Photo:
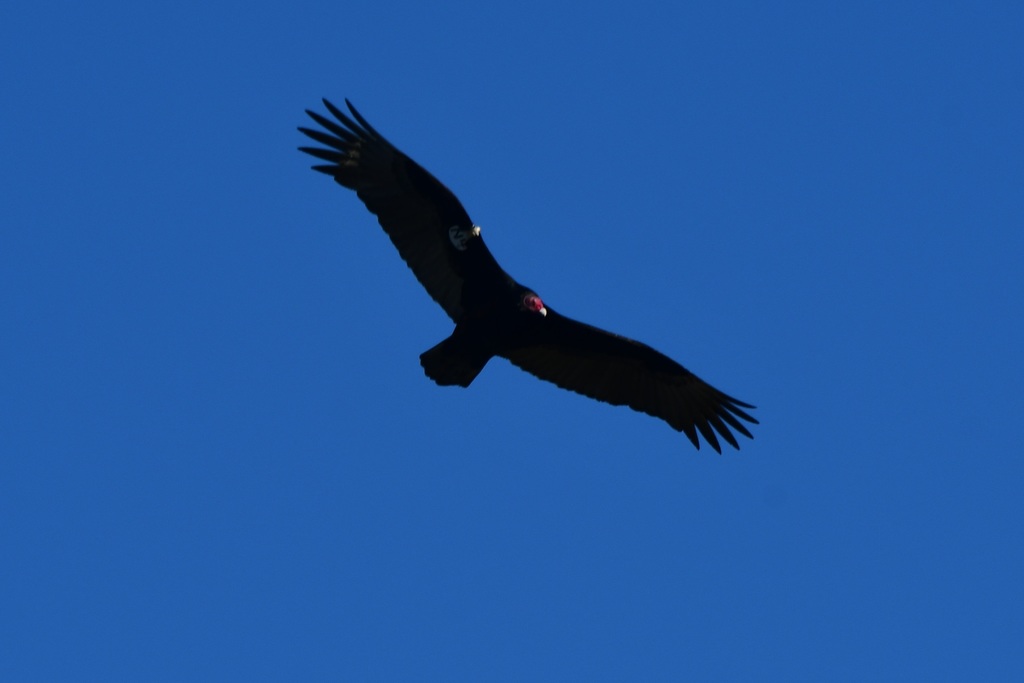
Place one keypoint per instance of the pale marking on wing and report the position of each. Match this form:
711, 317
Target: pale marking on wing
460, 237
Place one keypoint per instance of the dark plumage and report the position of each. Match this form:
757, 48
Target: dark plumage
493, 314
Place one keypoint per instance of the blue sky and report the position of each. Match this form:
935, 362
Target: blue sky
221, 459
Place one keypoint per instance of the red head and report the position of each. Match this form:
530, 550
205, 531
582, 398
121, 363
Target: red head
533, 304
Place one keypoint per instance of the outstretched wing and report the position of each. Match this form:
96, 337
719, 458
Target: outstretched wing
424, 220
622, 371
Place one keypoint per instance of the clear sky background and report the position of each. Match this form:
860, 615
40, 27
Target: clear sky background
220, 458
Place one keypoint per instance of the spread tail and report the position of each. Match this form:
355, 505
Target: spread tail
450, 363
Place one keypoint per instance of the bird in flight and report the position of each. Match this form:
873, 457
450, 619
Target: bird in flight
493, 314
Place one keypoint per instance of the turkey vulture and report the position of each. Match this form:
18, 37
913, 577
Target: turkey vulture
493, 314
